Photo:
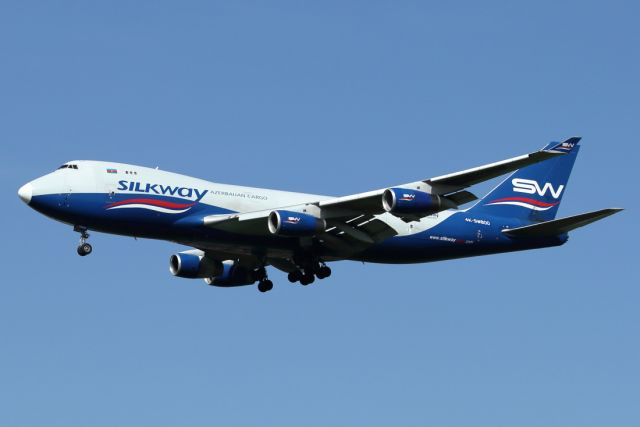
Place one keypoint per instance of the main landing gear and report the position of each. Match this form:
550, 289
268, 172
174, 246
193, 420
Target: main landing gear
264, 284
305, 275
308, 274
84, 248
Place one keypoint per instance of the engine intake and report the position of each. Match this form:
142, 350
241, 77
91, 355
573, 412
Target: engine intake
295, 224
192, 266
402, 201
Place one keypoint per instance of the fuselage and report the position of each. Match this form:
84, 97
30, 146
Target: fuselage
144, 202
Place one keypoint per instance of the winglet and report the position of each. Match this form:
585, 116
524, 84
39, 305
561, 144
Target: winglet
565, 146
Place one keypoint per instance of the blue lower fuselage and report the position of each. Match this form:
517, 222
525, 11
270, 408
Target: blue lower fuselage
459, 235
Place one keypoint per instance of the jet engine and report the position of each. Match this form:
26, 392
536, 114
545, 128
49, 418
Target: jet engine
295, 224
194, 265
405, 202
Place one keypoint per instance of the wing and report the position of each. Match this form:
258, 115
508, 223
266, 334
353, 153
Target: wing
351, 221
450, 185
344, 234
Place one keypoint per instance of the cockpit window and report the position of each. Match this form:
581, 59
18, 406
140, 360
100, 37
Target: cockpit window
68, 167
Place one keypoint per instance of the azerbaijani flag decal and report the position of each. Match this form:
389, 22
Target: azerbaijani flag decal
110, 170
162, 206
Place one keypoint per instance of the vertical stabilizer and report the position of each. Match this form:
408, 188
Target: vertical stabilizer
533, 193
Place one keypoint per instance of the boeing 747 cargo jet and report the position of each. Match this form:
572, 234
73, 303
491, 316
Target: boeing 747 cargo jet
237, 232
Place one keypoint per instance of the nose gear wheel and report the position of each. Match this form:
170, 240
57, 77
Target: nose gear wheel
84, 248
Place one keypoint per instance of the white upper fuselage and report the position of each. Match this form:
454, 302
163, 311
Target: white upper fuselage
92, 177
84, 177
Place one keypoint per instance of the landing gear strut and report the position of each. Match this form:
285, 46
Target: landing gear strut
264, 284
84, 248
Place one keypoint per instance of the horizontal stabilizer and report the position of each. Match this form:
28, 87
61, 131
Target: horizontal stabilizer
560, 226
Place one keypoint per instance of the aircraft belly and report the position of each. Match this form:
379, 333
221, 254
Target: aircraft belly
458, 236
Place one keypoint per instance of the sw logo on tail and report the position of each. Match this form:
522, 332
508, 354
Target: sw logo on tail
529, 186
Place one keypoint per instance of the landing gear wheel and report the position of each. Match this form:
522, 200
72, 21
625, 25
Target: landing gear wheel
294, 276
84, 249
265, 285
323, 272
307, 279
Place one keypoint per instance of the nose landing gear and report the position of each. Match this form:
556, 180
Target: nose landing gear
84, 248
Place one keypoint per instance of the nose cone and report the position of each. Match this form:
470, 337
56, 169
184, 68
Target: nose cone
25, 192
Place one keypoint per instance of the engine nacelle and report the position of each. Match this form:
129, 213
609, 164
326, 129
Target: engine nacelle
232, 275
295, 224
193, 266
402, 201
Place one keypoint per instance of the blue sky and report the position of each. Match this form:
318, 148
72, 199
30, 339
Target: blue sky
335, 98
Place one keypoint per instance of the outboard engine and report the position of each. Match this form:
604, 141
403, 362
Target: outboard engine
194, 265
406, 202
295, 224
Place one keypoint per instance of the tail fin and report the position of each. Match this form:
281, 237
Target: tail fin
533, 193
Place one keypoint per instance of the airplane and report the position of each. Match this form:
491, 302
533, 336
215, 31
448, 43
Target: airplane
237, 232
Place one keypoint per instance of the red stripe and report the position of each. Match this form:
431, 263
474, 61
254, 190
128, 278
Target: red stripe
526, 200
152, 202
